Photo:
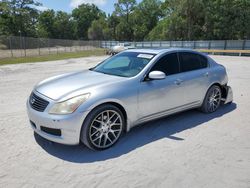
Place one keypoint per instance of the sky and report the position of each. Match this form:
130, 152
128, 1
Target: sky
68, 5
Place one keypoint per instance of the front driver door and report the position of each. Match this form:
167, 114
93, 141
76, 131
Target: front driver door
158, 97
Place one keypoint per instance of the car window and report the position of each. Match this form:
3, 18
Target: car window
168, 64
203, 61
119, 62
125, 64
191, 61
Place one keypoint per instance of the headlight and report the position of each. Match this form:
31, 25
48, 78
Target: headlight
69, 106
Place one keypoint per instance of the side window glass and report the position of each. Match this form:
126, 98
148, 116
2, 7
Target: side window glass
203, 62
189, 61
168, 64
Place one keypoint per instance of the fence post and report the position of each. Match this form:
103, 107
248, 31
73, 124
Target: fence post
170, 44
194, 44
39, 50
209, 45
49, 45
243, 44
24, 45
225, 45
21, 46
10, 38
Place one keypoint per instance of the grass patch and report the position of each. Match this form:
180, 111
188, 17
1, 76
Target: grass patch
52, 57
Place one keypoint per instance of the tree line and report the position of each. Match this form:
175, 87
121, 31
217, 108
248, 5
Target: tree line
131, 21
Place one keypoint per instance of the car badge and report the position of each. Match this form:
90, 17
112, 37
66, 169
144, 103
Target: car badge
33, 101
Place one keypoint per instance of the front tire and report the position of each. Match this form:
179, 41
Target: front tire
103, 127
212, 100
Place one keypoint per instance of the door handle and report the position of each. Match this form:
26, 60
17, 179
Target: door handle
206, 74
178, 81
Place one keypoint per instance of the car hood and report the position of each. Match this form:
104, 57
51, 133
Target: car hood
61, 86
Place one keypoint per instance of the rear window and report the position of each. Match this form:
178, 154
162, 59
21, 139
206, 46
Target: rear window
191, 61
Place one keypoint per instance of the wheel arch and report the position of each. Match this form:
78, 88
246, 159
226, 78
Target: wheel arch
84, 129
121, 108
203, 106
114, 103
223, 91
222, 87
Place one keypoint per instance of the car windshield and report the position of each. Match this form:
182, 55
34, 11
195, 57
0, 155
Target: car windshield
125, 64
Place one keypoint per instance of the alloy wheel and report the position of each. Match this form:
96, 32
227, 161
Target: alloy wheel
214, 99
105, 129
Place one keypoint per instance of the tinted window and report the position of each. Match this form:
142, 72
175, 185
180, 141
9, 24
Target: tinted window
203, 61
191, 61
168, 64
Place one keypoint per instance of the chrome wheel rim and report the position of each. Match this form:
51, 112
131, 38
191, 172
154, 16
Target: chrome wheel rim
105, 129
214, 100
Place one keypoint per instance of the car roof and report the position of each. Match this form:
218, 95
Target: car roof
159, 50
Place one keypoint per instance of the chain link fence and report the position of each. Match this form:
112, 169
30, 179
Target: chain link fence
18, 46
212, 44
13, 46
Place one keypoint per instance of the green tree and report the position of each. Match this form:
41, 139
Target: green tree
186, 18
64, 26
150, 19
204, 20
18, 17
99, 30
46, 24
123, 10
124, 31
160, 31
124, 7
83, 16
5, 19
227, 19
113, 21
144, 20
58, 25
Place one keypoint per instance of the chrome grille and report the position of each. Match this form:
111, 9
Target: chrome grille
37, 103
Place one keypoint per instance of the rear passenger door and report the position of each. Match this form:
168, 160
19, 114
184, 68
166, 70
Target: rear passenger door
195, 76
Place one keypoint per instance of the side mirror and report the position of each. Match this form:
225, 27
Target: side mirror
156, 75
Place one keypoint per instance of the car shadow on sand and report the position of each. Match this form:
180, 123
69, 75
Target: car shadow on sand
137, 137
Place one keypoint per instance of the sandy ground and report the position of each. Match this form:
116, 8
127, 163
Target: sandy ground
190, 149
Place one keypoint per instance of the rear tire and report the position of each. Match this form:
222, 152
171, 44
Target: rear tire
103, 127
212, 100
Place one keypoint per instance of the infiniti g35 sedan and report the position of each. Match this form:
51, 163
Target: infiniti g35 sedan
96, 106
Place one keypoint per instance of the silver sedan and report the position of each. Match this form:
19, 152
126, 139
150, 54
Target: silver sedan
96, 106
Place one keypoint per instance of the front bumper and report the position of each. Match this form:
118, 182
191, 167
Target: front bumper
229, 95
69, 126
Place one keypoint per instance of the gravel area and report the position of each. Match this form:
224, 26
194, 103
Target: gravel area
189, 149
